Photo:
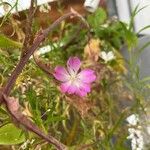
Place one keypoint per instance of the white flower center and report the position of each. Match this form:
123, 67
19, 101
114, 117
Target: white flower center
73, 77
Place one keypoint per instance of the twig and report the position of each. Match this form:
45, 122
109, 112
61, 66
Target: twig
28, 29
43, 66
13, 108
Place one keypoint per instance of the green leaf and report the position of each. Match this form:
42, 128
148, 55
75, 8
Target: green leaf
8, 43
144, 28
98, 18
54, 119
11, 135
31, 96
133, 15
131, 39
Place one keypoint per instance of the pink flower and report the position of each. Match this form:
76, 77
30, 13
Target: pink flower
74, 81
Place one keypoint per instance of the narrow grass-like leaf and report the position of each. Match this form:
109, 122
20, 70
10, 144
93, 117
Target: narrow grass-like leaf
7, 43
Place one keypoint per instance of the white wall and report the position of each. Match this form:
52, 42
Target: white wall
124, 8
143, 18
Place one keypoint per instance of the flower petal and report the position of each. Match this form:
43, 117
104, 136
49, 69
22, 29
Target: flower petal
73, 64
110, 55
81, 93
103, 55
68, 87
65, 86
82, 89
72, 89
61, 74
87, 76
85, 87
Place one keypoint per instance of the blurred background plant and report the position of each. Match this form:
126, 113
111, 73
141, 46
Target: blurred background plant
95, 122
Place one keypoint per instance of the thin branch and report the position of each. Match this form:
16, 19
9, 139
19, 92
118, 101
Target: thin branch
43, 66
28, 29
13, 108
